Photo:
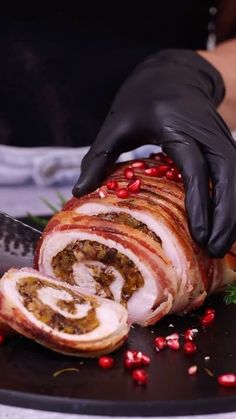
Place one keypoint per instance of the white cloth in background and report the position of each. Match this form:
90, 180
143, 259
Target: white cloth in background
46, 166
51, 166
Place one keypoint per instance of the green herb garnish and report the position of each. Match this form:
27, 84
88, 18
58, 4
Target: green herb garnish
39, 221
59, 372
230, 294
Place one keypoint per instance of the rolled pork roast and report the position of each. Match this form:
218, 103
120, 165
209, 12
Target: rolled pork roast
129, 241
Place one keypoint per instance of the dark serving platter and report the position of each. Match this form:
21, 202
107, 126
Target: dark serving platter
27, 370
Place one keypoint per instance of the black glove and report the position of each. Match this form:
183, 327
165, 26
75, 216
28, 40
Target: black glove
170, 100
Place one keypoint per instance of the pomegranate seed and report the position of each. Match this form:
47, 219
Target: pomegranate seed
173, 336
180, 178
152, 171
163, 169
170, 175
207, 319
139, 356
112, 185
135, 359
102, 192
134, 186
130, 354
106, 362
159, 156
210, 311
140, 376
227, 380
145, 359
139, 164
174, 170
160, 343
192, 370
2, 338
129, 173
167, 159
122, 193
189, 334
129, 363
190, 348
173, 344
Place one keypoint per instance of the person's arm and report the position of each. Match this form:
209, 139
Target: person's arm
223, 58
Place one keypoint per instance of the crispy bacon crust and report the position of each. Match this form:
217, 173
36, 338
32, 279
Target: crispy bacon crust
183, 272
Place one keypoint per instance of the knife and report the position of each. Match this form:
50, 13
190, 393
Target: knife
17, 243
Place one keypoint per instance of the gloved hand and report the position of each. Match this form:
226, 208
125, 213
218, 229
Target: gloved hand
170, 100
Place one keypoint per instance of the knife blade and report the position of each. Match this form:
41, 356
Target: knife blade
17, 243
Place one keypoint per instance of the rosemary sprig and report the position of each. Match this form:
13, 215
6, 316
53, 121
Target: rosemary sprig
59, 372
62, 199
49, 205
230, 294
39, 221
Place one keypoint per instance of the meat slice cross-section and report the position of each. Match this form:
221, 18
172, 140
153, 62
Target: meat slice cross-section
60, 316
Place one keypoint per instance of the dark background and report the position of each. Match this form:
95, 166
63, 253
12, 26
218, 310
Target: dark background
60, 66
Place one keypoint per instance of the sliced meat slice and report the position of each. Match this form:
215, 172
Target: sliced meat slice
60, 316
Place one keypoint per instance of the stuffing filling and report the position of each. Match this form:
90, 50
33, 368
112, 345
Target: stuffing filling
28, 289
127, 219
85, 251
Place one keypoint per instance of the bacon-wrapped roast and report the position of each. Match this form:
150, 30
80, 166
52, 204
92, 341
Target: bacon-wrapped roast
129, 241
60, 316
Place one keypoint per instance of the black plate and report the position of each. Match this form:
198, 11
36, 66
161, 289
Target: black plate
26, 377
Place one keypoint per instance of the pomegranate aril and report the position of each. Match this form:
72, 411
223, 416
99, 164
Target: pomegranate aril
130, 354
180, 178
122, 193
140, 376
106, 362
139, 164
167, 159
135, 359
152, 171
174, 170
2, 338
192, 370
102, 192
170, 175
189, 348
112, 185
173, 336
134, 186
227, 380
173, 344
163, 169
207, 319
160, 343
159, 156
129, 173
145, 359
129, 363
210, 311
190, 334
